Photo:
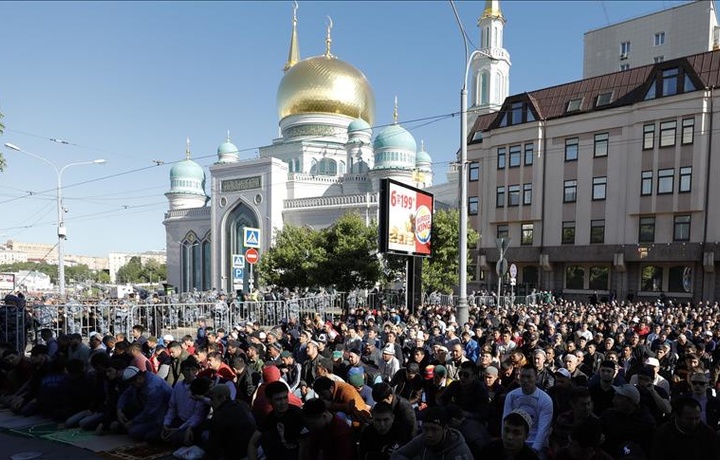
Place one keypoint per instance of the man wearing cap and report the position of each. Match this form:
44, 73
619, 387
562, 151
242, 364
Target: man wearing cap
468, 392
230, 427
627, 421
658, 380
389, 364
309, 373
437, 441
602, 390
141, 407
325, 368
535, 402
653, 397
436, 381
291, 370
408, 383
709, 404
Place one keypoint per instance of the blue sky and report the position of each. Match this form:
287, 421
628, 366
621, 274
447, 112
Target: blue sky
130, 81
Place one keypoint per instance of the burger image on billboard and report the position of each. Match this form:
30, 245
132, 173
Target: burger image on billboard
423, 224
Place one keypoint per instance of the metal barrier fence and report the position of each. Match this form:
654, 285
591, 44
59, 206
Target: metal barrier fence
176, 319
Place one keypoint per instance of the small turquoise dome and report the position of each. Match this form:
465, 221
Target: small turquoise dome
227, 148
359, 125
187, 177
395, 137
423, 157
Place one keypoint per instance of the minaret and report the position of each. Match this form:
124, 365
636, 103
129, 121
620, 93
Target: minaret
294, 53
490, 69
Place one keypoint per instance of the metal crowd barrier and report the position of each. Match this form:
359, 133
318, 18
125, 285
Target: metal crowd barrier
13, 326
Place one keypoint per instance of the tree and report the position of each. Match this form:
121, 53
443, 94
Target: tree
440, 272
352, 249
130, 272
295, 258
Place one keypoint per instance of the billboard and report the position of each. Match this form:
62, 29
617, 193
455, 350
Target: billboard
406, 215
7, 282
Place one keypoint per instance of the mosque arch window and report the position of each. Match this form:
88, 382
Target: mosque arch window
195, 263
484, 87
327, 167
233, 242
341, 167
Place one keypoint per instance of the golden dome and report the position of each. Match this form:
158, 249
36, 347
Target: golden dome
325, 84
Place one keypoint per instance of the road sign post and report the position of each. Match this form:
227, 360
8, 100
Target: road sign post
251, 257
513, 280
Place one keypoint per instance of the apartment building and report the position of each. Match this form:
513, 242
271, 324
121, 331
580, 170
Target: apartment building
684, 30
606, 184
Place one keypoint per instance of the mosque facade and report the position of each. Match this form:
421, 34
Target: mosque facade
327, 162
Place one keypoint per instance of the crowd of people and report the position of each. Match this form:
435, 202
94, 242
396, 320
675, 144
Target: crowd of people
555, 380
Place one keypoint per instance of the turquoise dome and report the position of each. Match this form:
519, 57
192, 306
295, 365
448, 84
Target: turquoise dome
227, 148
395, 137
359, 125
187, 169
423, 157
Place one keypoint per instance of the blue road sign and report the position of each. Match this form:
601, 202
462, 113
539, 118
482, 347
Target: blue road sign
252, 237
238, 261
238, 273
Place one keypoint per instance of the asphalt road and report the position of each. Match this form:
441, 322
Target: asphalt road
11, 445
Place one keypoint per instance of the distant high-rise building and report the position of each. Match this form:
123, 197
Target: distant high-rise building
684, 30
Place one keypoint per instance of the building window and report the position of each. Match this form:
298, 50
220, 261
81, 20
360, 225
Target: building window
527, 194
624, 49
501, 157
658, 59
604, 98
571, 149
526, 236
599, 277
575, 277
597, 231
502, 231
514, 156
574, 105
570, 191
665, 181
646, 232
518, 112
500, 197
568, 232
624, 67
681, 228
473, 205
685, 179
667, 133
646, 183
651, 278
474, 171
529, 154
680, 279
669, 82
601, 144
688, 131
513, 195
599, 189
659, 39
648, 137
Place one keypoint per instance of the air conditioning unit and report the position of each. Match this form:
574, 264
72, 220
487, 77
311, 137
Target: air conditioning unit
623, 56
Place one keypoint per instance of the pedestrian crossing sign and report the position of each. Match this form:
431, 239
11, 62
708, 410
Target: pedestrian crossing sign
252, 237
238, 261
238, 274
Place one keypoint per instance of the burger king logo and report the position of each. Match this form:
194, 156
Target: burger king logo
423, 224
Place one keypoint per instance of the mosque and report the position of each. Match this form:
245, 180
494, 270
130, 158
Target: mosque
326, 163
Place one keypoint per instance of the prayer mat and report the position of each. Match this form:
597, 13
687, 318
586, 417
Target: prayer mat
36, 430
102, 443
143, 451
71, 436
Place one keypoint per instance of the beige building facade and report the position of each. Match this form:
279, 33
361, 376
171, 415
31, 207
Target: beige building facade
604, 185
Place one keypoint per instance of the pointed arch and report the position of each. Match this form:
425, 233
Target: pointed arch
237, 219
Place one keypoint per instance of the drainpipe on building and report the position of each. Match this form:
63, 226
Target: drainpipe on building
543, 130
707, 185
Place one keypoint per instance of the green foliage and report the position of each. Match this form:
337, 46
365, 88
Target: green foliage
352, 260
342, 255
50, 270
135, 272
440, 272
75, 273
295, 258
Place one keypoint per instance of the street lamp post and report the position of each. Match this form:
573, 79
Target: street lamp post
61, 230
462, 308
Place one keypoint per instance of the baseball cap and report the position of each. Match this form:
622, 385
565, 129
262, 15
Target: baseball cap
492, 370
440, 370
652, 362
130, 373
285, 354
628, 391
436, 415
564, 372
389, 349
429, 372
